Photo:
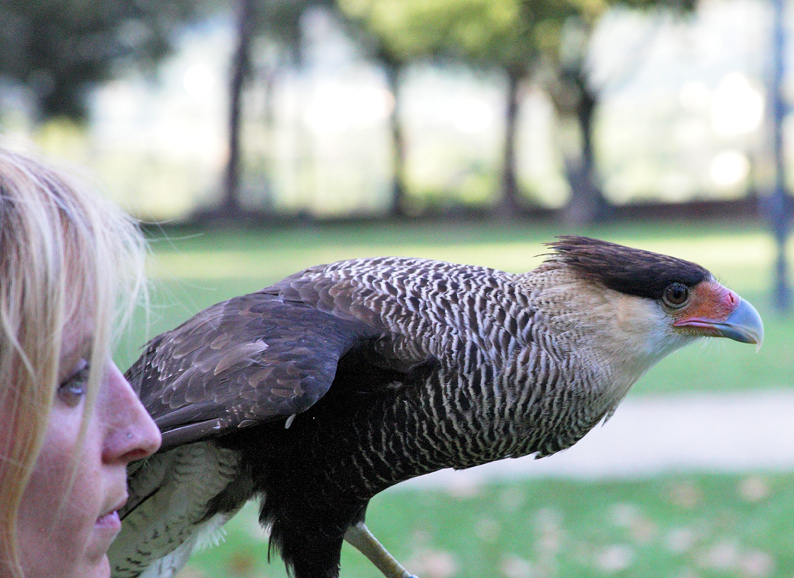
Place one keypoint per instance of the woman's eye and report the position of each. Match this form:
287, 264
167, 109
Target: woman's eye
676, 295
73, 388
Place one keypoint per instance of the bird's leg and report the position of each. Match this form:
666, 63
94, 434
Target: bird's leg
358, 535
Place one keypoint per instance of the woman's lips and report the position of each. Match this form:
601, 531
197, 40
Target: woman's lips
109, 521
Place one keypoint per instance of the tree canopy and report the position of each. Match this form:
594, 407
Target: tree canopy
59, 48
519, 37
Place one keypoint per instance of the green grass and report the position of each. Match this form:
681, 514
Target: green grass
677, 526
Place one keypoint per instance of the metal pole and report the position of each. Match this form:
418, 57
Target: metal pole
779, 205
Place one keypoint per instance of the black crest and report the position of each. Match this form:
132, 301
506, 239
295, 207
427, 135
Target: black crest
631, 271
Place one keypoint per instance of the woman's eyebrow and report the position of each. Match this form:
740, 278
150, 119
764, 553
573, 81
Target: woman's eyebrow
73, 352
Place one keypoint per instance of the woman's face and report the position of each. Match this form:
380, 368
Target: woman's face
68, 516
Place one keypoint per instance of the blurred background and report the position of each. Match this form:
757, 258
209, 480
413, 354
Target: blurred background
372, 108
257, 137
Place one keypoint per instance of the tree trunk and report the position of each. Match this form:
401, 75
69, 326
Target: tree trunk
230, 204
268, 130
587, 204
399, 190
509, 205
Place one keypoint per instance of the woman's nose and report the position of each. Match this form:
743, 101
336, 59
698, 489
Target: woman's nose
132, 434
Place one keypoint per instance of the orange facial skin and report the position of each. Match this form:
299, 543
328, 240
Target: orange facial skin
716, 311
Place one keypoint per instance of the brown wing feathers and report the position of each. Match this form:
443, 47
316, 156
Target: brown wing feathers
265, 359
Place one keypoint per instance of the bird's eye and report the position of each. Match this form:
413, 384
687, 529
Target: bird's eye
676, 295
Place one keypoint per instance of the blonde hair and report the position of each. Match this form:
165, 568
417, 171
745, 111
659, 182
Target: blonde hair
66, 255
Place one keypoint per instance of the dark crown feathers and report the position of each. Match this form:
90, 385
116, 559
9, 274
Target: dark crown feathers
625, 269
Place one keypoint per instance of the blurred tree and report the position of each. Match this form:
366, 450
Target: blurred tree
59, 48
567, 80
230, 199
279, 21
393, 67
522, 38
397, 33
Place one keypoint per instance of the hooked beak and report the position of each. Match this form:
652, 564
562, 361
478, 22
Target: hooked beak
742, 322
743, 325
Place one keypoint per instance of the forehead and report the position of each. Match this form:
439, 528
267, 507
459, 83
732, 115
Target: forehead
80, 318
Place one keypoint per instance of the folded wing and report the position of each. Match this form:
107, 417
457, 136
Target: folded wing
249, 360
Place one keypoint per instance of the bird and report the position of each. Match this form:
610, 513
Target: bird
320, 391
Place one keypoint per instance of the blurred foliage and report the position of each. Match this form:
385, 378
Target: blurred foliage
443, 143
59, 48
541, 40
484, 30
279, 21
497, 32
507, 33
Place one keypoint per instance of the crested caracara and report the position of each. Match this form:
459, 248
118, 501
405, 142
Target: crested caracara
335, 383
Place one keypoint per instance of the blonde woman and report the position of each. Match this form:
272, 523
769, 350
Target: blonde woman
70, 266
